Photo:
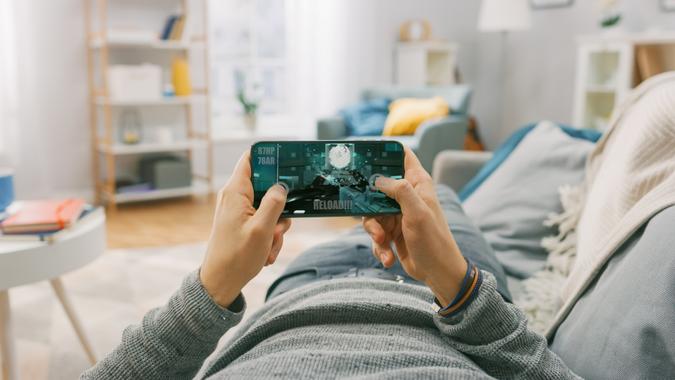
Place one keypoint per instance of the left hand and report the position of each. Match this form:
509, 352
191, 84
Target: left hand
243, 239
426, 248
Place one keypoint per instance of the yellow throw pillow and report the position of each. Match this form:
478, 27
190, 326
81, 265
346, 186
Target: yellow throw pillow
406, 114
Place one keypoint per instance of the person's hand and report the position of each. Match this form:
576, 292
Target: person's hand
243, 239
426, 248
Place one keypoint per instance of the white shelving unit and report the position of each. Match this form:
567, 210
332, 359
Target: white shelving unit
196, 189
426, 63
108, 45
608, 67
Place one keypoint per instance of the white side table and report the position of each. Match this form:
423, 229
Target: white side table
23, 263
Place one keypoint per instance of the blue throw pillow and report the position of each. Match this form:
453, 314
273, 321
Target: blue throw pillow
504, 150
366, 118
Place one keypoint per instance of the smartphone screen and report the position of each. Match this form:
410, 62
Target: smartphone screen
327, 178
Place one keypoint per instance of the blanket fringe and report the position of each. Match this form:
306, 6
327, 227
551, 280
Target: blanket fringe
540, 299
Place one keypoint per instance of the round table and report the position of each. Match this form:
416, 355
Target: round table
26, 262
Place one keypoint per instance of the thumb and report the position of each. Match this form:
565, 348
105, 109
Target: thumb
271, 206
403, 192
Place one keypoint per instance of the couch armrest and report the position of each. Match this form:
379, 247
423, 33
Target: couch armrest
438, 135
455, 167
331, 128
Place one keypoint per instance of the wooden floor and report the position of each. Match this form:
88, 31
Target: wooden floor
184, 221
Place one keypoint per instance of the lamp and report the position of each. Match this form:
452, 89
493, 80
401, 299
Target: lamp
504, 15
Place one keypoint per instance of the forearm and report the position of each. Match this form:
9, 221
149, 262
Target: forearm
172, 341
494, 334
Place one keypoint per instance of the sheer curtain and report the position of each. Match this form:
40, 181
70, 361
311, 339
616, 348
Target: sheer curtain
8, 87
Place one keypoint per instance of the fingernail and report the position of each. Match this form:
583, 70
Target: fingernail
383, 257
381, 180
284, 186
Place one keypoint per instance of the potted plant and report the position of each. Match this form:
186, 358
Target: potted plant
249, 99
610, 14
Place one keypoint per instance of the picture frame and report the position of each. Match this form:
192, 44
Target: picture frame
667, 5
550, 4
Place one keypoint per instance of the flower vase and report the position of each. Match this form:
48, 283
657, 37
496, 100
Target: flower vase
250, 121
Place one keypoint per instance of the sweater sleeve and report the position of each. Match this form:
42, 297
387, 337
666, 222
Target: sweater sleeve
494, 334
172, 341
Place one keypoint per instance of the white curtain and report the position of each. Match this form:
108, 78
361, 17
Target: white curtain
8, 87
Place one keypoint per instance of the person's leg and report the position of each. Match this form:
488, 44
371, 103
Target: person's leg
354, 251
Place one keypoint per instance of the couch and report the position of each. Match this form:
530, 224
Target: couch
430, 138
623, 325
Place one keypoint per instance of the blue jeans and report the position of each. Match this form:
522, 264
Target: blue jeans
354, 251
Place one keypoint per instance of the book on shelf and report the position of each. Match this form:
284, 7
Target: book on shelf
175, 29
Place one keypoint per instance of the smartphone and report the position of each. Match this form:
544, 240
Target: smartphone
327, 178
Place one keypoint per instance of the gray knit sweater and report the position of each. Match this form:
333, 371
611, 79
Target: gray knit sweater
359, 328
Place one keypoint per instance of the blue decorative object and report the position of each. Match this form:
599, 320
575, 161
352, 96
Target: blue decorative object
366, 118
6, 189
510, 144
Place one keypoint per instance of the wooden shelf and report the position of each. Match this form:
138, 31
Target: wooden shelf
107, 46
99, 43
601, 89
169, 101
120, 149
196, 189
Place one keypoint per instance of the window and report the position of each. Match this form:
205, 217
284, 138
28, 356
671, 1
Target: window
248, 50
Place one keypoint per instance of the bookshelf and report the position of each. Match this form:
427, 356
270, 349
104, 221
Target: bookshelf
110, 41
425, 63
609, 66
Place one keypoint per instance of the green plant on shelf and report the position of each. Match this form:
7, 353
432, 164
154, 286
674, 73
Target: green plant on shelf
610, 13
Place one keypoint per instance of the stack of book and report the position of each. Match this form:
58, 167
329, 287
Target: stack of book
42, 220
174, 28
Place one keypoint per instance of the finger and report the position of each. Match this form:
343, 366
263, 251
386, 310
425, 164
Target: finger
277, 244
403, 192
410, 161
384, 253
374, 229
285, 224
240, 181
271, 206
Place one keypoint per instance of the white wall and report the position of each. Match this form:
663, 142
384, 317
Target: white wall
53, 153
358, 38
348, 45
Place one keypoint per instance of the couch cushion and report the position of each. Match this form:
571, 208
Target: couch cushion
623, 326
512, 203
407, 114
457, 97
366, 118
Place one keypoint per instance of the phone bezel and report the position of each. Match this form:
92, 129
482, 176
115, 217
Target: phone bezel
326, 142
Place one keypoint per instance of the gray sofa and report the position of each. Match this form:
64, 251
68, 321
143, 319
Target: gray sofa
623, 326
430, 138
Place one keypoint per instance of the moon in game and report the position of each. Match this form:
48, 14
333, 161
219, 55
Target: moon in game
340, 156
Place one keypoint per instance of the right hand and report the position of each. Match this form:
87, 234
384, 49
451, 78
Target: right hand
426, 248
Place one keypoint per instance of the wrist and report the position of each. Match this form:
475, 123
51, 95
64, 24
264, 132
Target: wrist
221, 288
446, 280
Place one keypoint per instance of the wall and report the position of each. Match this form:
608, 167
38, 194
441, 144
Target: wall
346, 44
53, 150
530, 74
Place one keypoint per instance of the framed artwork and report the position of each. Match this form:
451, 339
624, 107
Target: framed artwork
668, 5
547, 4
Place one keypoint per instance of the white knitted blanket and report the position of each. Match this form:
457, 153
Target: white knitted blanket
630, 176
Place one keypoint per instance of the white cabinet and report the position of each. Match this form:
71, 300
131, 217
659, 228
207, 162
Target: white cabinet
426, 63
608, 67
